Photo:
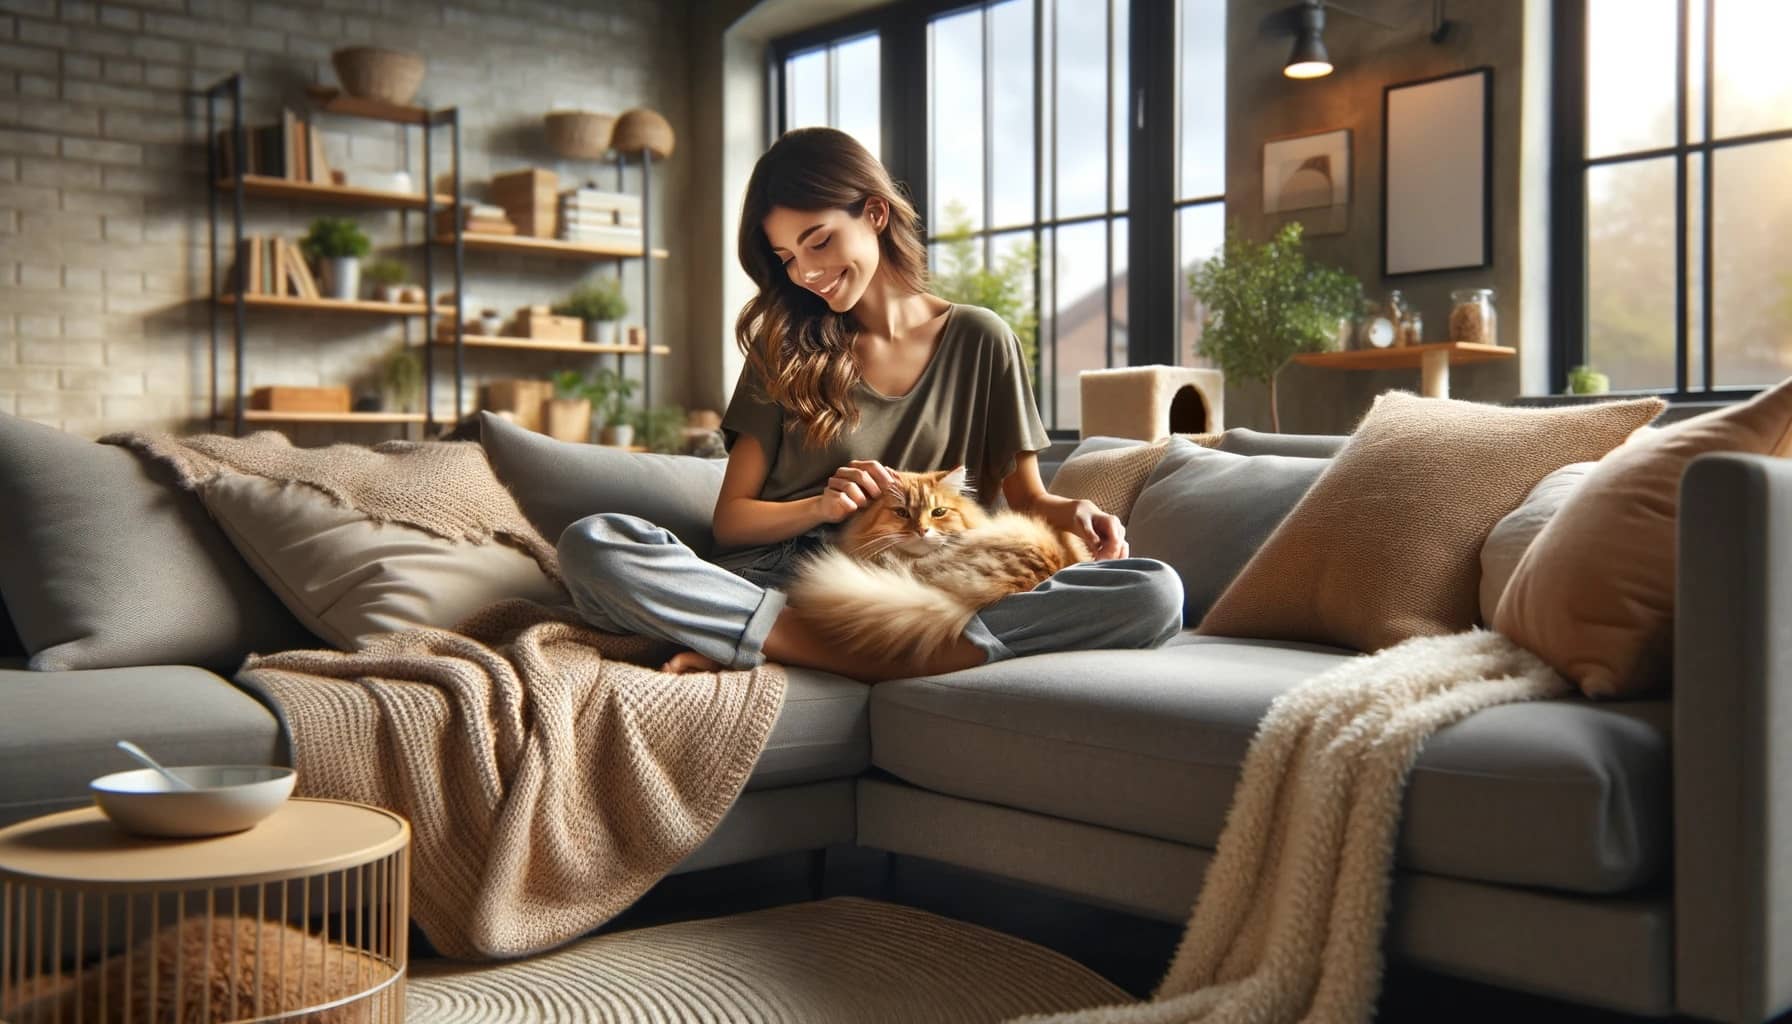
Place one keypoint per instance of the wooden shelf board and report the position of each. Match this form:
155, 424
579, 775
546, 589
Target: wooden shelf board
275, 416
548, 247
330, 305
335, 101
586, 347
1408, 357
347, 195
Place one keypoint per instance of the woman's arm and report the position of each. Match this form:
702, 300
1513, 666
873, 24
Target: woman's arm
1102, 531
742, 519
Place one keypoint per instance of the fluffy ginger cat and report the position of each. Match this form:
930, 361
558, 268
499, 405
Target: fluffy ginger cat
907, 572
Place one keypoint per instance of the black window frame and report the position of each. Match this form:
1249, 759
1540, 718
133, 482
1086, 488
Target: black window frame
1568, 204
1151, 326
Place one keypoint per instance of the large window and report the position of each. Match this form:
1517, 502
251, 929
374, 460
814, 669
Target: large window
835, 85
1034, 134
1676, 219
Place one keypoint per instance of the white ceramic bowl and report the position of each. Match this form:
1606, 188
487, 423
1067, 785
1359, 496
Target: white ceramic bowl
224, 798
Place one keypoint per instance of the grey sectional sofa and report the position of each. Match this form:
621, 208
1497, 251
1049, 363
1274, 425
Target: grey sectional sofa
1633, 855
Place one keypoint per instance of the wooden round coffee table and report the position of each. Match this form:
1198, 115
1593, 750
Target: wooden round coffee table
304, 912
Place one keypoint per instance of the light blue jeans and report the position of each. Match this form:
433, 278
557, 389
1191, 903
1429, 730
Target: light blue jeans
627, 575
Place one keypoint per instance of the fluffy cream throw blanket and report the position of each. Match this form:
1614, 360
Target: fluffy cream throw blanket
548, 779
1289, 922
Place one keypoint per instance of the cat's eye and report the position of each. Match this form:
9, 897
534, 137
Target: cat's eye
901, 513
939, 513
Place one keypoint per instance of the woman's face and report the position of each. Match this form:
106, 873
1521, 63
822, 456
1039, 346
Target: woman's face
829, 252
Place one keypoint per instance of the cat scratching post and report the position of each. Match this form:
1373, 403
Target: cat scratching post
1153, 402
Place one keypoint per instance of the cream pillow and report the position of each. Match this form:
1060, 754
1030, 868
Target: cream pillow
1113, 477
1508, 541
1594, 594
1387, 543
346, 576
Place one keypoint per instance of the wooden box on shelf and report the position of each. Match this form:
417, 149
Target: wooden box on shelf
531, 200
295, 399
542, 325
521, 398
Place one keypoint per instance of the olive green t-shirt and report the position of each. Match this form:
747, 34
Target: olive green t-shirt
972, 406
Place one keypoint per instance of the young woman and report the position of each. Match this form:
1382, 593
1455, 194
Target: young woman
853, 368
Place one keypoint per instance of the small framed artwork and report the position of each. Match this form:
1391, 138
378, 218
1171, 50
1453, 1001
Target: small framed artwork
1307, 178
1437, 171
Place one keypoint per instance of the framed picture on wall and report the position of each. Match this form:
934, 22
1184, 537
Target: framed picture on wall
1307, 178
1437, 173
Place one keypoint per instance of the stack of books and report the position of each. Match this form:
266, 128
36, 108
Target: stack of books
291, 149
271, 266
480, 219
594, 216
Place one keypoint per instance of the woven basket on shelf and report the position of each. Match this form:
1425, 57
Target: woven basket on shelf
579, 134
642, 129
373, 73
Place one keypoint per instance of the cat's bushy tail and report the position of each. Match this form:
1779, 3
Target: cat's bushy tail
880, 611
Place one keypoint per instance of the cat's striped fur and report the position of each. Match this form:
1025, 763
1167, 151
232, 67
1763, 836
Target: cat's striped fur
907, 572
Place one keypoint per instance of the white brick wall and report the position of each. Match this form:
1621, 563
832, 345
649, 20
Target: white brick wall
103, 233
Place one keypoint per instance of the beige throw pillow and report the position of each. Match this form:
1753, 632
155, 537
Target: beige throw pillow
346, 576
1509, 540
1594, 594
1113, 477
1387, 543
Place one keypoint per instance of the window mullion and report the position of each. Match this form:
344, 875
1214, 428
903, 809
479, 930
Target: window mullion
1680, 158
1707, 175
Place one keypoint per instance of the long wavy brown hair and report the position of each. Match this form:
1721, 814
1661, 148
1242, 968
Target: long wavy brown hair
802, 349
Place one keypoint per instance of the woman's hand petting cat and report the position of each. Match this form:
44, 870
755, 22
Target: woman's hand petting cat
1102, 531
852, 487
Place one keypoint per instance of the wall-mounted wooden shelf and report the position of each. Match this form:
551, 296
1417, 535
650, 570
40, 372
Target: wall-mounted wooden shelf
1432, 361
586, 347
329, 305
548, 247
335, 101
262, 185
274, 416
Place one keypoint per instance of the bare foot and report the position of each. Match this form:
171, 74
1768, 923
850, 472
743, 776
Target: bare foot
691, 661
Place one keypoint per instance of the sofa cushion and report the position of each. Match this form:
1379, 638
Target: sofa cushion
1563, 794
1109, 472
57, 729
823, 731
557, 483
106, 562
1512, 536
1386, 545
1245, 441
1205, 512
346, 576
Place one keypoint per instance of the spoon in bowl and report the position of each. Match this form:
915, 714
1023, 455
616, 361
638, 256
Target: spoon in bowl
135, 751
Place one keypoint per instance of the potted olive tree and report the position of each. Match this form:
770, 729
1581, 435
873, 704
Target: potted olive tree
336, 245
601, 305
1267, 304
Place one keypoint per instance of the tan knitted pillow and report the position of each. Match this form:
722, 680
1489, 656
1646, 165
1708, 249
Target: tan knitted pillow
1387, 543
1594, 593
1113, 477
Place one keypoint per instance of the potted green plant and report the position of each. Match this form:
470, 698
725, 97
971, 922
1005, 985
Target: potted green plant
1266, 304
336, 245
600, 304
401, 380
661, 428
388, 278
1584, 380
610, 393
567, 416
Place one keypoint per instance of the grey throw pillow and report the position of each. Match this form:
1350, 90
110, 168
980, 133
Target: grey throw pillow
1245, 441
1206, 512
106, 562
558, 483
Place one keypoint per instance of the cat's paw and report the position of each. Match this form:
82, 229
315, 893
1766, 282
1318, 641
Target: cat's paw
691, 661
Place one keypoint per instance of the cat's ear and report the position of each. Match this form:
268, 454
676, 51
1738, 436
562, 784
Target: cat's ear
956, 479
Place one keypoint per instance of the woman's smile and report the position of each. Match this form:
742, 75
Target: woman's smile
832, 286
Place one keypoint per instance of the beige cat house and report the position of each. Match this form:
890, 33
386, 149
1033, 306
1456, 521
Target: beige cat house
1152, 402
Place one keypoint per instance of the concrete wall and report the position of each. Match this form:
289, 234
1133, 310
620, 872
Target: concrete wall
1511, 37
103, 271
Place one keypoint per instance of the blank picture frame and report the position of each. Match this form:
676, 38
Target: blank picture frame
1437, 173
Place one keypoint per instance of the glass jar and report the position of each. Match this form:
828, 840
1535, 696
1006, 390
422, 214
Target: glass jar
1396, 307
1472, 317
1411, 329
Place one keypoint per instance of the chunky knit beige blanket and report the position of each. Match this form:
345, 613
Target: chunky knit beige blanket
1289, 922
548, 779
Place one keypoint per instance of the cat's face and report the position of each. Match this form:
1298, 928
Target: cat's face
914, 517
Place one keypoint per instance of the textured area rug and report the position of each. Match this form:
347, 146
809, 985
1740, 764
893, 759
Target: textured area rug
837, 961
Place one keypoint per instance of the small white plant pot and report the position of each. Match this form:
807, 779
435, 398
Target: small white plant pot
389, 292
620, 436
342, 277
600, 332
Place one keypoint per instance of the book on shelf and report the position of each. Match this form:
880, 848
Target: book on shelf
275, 267
630, 237
291, 149
605, 219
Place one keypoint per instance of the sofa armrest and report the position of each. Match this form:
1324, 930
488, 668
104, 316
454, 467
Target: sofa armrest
1733, 739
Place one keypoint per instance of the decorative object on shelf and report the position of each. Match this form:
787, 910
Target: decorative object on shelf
491, 322
401, 380
1374, 329
661, 429
1307, 178
1436, 186
600, 305
337, 244
388, 279
522, 399
592, 215
642, 130
378, 181
610, 392
636, 336
1472, 317
542, 324
579, 134
1152, 402
567, 415
1266, 304
414, 294
530, 199
477, 218
1584, 380
1411, 329
280, 398
376, 73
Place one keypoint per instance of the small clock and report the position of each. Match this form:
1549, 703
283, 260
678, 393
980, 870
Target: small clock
1376, 332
